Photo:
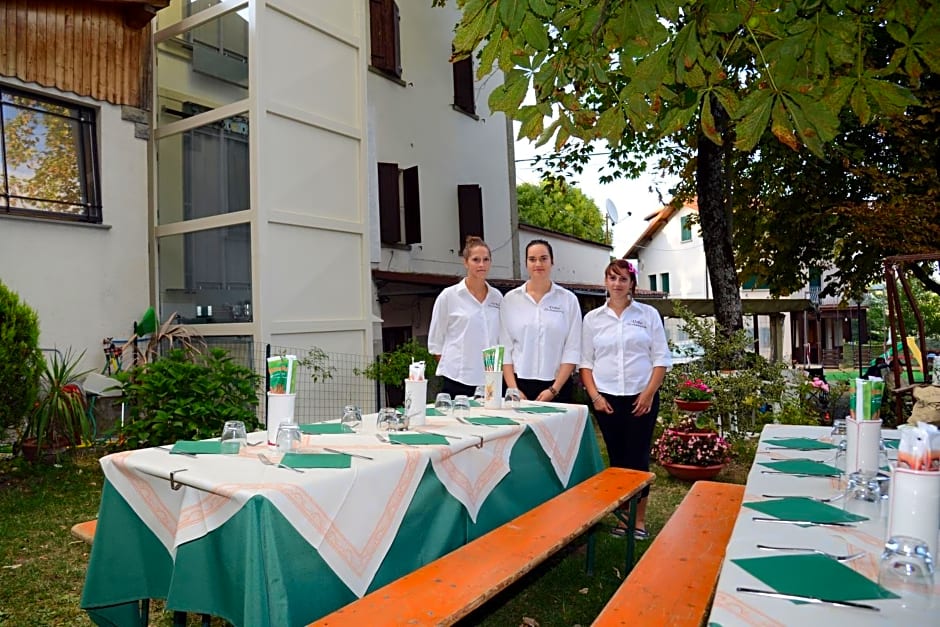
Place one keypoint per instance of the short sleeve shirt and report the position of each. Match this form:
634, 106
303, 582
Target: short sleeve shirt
540, 336
621, 351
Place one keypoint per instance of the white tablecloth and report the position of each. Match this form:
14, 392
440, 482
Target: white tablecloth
735, 608
351, 516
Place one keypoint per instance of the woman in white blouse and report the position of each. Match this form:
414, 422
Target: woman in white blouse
624, 357
464, 321
540, 328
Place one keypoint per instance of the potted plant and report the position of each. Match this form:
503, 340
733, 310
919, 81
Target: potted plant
59, 418
694, 395
391, 369
689, 452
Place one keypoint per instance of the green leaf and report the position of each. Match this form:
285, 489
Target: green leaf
562, 137
708, 121
487, 57
532, 122
753, 115
512, 12
837, 92
610, 125
535, 33
860, 106
505, 56
676, 119
891, 98
542, 8
781, 128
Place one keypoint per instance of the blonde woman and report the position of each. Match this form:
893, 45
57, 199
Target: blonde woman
465, 320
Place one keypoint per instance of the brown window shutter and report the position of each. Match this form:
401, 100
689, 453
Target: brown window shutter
378, 33
389, 216
463, 85
410, 189
470, 210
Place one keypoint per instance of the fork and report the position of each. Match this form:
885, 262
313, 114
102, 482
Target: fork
473, 424
267, 462
388, 440
840, 558
820, 499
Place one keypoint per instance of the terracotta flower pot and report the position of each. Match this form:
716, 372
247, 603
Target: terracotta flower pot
687, 472
692, 405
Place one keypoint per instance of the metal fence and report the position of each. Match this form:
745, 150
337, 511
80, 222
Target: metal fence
325, 381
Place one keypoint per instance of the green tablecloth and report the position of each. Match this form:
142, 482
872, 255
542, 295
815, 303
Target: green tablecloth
256, 570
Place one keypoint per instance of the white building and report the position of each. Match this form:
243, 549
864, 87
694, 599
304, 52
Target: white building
800, 327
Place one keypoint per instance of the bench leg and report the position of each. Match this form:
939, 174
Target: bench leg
630, 522
591, 543
180, 619
144, 612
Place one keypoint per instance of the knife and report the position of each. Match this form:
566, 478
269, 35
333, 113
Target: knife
798, 474
809, 599
338, 452
803, 522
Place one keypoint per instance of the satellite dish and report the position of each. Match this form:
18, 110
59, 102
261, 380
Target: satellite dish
612, 211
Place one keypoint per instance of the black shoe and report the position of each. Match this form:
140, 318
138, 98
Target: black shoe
641, 534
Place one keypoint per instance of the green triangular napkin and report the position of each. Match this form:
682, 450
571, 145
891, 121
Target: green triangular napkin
433, 412
417, 438
801, 443
201, 447
316, 460
491, 420
813, 575
474, 403
540, 409
795, 508
802, 467
321, 428
892, 443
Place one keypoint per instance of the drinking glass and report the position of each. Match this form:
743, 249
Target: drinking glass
907, 569
513, 399
289, 437
443, 403
461, 407
388, 419
234, 437
352, 417
863, 495
479, 394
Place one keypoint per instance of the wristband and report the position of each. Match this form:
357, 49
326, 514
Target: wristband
594, 400
552, 389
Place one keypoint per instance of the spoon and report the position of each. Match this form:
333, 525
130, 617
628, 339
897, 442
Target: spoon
267, 462
840, 558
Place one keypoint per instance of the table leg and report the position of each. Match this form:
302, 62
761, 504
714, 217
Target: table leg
630, 521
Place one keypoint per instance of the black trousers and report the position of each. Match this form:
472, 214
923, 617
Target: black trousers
533, 387
455, 388
628, 437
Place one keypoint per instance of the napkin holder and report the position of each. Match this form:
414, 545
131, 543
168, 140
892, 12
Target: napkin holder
492, 389
416, 400
862, 445
914, 510
280, 409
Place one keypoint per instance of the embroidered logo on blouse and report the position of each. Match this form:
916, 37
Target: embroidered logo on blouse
554, 308
635, 323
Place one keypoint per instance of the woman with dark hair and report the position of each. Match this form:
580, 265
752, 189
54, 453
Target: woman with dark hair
624, 357
464, 321
540, 324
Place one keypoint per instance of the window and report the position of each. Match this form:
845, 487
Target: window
385, 37
686, 229
463, 86
664, 281
470, 210
49, 158
399, 205
653, 282
752, 283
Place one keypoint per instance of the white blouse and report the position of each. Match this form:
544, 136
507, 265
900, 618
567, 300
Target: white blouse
461, 327
621, 351
540, 336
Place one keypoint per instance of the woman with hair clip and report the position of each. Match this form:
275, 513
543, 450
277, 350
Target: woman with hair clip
624, 357
465, 320
540, 328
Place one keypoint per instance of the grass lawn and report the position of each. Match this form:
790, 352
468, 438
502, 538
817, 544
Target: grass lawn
42, 568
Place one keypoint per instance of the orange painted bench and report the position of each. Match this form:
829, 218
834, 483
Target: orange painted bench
674, 582
85, 531
449, 588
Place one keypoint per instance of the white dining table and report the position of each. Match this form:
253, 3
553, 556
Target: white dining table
731, 607
351, 528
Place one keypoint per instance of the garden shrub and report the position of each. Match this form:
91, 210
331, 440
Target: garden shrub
187, 396
21, 361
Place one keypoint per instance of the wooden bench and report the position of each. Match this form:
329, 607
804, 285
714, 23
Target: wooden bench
674, 582
85, 531
449, 588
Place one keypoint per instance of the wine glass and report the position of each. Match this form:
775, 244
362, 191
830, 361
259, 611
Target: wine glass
479, 395
388, 419
352, 417
907, 569
234, 437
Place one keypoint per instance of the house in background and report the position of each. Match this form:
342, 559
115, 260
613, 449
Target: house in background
293, 173
801, 327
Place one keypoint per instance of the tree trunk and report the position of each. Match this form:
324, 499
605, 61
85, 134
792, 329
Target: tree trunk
715, 217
